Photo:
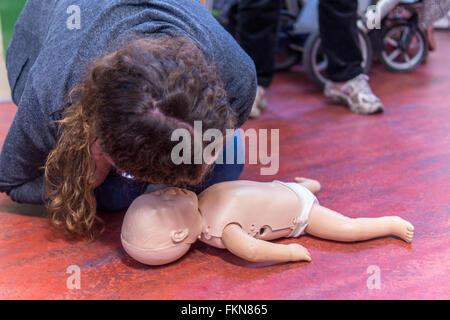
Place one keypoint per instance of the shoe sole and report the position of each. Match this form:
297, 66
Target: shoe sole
338, 96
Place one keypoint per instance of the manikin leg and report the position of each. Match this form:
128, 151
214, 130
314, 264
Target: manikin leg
328, 224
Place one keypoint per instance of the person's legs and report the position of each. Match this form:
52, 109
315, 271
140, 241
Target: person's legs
256, 31
256, 27
338, 32
328, 224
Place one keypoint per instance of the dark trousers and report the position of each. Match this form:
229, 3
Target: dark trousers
254, 24
339, 34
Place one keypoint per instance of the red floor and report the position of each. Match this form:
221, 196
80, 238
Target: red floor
396, 163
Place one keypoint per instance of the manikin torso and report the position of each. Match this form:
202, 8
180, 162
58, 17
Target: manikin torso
234, 202
242, 216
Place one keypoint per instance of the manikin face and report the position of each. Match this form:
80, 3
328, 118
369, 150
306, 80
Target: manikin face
160, 227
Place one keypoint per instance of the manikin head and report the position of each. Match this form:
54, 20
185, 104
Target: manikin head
159, 227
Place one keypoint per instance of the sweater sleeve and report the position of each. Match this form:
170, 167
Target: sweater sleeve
25, 150
244, 93
240, 81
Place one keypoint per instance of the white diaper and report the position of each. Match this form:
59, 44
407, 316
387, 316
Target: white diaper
307, 199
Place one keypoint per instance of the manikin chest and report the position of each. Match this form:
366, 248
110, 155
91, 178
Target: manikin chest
253, 206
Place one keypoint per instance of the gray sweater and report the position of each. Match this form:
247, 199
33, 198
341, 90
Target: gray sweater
46, 59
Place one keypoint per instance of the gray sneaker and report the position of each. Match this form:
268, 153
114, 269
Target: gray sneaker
356, 94
260, 103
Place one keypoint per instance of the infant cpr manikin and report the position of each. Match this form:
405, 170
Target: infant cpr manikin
243, 216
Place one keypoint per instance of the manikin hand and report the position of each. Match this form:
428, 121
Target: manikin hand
238, 242
251, 249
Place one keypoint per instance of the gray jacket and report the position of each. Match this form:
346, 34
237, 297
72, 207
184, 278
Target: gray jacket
49, 53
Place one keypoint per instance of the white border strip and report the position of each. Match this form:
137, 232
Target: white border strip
2, 100
7, 96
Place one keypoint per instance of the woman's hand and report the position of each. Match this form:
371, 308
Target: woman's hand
102, 164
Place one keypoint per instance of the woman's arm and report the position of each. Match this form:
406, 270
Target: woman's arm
27, 145
248, 248
31, 192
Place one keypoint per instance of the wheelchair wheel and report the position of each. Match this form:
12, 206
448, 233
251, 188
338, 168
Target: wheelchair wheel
402, 55
315, 61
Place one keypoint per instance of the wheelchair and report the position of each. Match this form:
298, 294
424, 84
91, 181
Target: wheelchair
396, 37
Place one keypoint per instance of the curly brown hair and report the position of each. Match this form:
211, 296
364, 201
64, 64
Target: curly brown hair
132, 99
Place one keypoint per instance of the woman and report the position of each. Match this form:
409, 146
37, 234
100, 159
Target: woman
100, 100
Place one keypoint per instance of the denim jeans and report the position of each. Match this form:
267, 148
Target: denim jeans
117, 192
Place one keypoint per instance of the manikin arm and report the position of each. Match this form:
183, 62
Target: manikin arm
238, 242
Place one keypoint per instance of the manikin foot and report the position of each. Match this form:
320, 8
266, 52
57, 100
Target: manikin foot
299, 252
402, 229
